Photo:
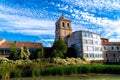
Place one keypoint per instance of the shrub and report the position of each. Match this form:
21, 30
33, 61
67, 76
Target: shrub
69, 61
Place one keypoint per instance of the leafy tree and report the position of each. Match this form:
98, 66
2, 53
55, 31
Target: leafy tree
40, 52
25, 53
13, 52
57, 53
59, 48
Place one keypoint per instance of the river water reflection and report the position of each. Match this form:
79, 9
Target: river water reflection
97, 77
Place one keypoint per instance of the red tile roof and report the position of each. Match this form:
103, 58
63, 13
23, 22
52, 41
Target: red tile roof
7, 44
111, 43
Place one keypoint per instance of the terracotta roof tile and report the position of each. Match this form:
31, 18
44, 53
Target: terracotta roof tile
111, 43
7, 44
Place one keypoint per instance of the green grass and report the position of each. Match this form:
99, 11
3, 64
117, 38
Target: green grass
85, 69
79, 77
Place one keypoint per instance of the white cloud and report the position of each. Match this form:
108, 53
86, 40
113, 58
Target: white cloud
110, 26
77, 27
64, 7
32, 26
114, 40
26, 25
87, 4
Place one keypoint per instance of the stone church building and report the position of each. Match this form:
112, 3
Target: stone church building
86, 44
63, 28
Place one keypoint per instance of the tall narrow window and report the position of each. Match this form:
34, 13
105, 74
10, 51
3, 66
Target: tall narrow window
63, 24
114, 54
106, 55
68, 25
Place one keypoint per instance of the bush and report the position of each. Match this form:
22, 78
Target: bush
70, 61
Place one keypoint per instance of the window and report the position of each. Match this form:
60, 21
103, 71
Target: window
117, 48
101, 55
86, 55
90, 48
68, 25
112, 48
85, 48
96, 48
90, 41
92, 55
84, 41
96, 42
63, 24
114, 54
106, 55
84, 34
90, 35
105, 48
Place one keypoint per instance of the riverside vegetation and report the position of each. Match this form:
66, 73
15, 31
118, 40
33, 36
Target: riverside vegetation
28, 68
23, 65
41, 67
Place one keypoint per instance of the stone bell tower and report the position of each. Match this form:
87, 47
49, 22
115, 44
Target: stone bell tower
63, 28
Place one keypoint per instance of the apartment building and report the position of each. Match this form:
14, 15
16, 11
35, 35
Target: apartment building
111, 51
87, 44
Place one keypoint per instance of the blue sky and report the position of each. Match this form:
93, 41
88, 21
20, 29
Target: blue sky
33, 20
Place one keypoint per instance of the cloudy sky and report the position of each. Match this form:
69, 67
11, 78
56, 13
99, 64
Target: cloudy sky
33, 20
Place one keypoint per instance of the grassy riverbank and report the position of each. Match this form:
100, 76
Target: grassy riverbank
72, 77
34, 68
84, 69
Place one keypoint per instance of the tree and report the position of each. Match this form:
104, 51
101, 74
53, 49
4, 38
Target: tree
40, 52
25, 53
13, 52
57, 53
59, 48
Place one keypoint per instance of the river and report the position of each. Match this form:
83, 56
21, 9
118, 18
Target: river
95, 77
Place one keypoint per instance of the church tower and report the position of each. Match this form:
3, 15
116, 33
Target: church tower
63, 28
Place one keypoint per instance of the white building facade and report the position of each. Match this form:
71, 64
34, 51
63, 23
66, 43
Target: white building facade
87, 44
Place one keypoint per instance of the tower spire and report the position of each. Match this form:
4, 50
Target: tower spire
62, 14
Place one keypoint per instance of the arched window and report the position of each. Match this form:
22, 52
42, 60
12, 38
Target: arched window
68, 25
63, 24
